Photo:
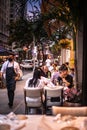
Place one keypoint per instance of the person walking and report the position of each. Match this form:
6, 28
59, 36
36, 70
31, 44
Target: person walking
48, 61
11, 70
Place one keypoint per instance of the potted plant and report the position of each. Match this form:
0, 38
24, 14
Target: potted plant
65, 43
73, 97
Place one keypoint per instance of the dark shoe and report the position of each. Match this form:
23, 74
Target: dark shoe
10, 105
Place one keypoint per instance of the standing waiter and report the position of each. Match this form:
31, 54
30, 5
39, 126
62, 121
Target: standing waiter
11, 70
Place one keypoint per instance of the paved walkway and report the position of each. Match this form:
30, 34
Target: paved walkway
18, 107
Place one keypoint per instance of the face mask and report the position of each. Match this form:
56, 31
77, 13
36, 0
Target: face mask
10, 59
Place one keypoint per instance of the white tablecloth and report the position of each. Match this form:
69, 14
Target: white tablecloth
43, 122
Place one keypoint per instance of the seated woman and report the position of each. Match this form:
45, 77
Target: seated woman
39, 80
66, 80
54, 74
35, 81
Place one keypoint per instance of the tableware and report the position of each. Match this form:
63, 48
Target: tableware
21, 117
70, 128
5, 127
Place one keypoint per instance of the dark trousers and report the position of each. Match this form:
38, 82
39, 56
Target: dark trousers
10, 92
11, 97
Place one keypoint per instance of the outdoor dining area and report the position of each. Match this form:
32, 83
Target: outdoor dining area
61, 117
49, 92
54, 113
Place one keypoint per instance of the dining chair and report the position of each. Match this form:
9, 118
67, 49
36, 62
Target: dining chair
53, 97
74, 111
33, 98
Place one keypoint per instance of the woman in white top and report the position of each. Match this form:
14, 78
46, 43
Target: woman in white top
48, 61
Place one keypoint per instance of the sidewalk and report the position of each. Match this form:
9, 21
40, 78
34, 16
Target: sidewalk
18, 107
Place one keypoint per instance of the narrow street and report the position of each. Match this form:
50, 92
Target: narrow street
18, 107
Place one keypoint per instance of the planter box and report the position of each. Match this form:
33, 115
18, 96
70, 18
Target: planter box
70, 104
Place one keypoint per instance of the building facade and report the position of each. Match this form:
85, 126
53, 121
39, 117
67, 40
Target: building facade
18, 8
4, 21
10, 10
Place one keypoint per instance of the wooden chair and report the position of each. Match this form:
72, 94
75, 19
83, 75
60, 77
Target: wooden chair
33, 98
53, 97
74, 111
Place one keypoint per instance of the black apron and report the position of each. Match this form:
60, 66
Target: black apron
10, 77
10, 83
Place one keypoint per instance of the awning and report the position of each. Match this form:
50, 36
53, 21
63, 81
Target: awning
5, 52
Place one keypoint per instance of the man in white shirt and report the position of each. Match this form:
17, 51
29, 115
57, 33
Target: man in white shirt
11, 70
